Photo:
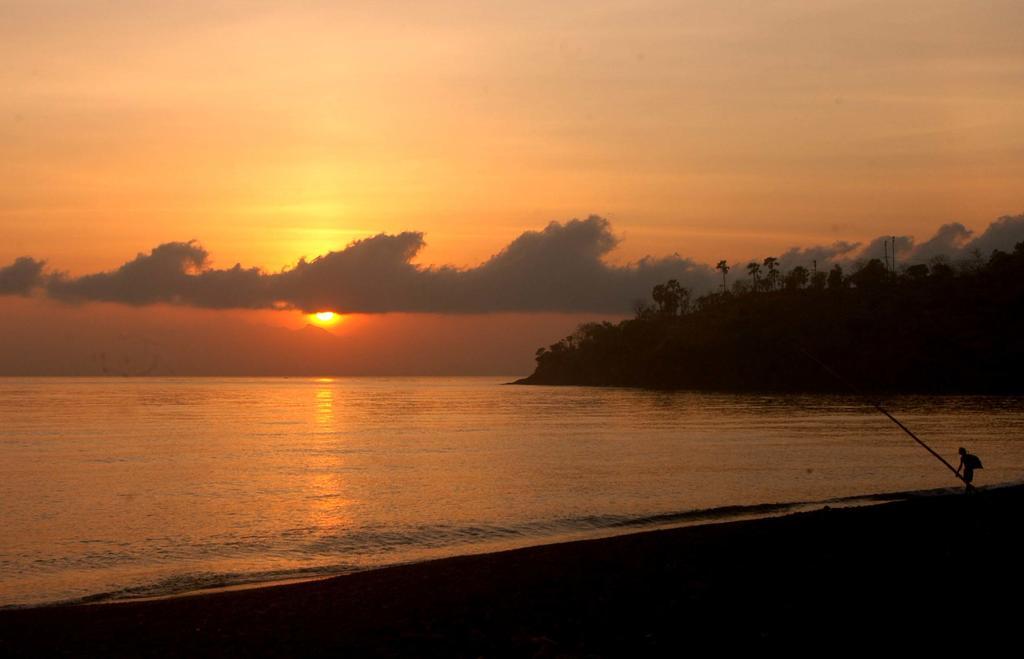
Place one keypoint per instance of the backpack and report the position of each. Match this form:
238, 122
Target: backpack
972, 462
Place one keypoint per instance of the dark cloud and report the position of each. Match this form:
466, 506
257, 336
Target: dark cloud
953, 241
561, 268
163, 275
823, 257
371, 275
948, 241
876, 249
956, 242
21, 277
173, 273
1002, 234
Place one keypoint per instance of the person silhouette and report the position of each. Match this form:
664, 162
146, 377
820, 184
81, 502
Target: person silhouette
968, 462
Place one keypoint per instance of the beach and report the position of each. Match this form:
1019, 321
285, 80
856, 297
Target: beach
938, 571
511, 329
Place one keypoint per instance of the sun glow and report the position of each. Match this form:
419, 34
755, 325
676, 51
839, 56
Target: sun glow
325, 318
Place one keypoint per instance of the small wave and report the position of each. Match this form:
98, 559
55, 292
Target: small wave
189, 583
370, 548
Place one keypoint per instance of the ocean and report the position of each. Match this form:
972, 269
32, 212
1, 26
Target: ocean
119, 488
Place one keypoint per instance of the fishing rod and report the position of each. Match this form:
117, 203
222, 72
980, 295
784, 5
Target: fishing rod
878, 406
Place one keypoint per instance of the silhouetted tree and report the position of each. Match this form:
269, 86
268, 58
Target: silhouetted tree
671, 298
666, 303
835, 277
772, 264
975, 262
642, 309
797, 278
916, 272
940, 268
724, 267
934, 330
754, 270
871, 276
818, 280
684, 299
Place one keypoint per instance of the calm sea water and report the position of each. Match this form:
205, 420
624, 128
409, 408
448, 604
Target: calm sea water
115, 488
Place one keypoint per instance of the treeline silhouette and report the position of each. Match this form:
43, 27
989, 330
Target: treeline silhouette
936, 328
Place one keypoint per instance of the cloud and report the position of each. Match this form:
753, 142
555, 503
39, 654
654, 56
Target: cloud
1002, 234
876, 249
956, 242
822, 257
167, 274
21, 277
561, 268
953, 241
948, 241
373, 275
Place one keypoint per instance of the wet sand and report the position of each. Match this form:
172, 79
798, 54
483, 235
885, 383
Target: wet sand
940, 572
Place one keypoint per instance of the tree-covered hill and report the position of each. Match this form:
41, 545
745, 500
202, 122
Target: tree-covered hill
929, 328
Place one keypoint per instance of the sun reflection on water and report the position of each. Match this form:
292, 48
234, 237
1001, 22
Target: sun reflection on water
324, 408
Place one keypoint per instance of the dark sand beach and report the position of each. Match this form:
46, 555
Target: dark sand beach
940, 572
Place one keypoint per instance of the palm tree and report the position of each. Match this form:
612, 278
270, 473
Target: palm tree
772, 264
754, 270
724, 267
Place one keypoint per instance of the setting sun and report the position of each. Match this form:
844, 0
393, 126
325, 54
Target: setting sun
325, 318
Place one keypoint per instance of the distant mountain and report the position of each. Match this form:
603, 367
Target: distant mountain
310, 329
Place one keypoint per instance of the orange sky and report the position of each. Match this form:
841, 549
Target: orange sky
715, 129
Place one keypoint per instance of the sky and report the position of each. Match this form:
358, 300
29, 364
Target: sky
432, 157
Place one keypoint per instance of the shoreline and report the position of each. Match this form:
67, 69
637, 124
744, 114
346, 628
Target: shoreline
612, 527
793, 579
817, 389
